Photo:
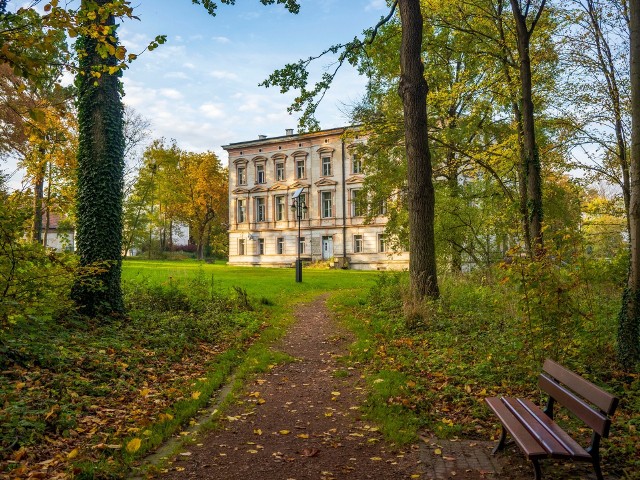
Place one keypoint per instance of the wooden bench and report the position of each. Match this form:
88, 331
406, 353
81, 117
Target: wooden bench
534, 430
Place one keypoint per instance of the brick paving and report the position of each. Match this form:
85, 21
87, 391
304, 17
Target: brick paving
473, 460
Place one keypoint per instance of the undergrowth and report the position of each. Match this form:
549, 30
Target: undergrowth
431, 364
87, 396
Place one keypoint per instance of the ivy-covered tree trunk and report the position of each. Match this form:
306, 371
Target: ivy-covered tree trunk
531, 176
629, 318
421, 194
100, 173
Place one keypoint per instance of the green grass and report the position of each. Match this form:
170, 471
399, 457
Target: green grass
275, 284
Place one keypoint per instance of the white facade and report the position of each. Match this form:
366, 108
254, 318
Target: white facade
263, 230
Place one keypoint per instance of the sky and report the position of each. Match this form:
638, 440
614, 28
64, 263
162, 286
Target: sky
201, 87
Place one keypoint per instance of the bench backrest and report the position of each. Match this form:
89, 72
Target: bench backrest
573, 392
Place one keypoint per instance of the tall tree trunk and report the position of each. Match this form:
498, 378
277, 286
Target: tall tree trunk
47, 214
629, 318
421, 194
530, 169
100, 177
38, 195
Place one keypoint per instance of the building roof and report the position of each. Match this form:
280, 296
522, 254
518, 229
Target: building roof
264, 140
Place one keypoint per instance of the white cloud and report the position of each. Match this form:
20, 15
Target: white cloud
223, 75
212, 110
221, 39
189, 65
171, 93
178, 75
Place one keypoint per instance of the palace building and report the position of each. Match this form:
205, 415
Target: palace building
326, 173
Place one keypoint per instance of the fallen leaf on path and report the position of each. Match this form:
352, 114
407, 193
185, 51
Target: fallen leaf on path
310, 452
437, 451
375, 459
257, 431
284, 432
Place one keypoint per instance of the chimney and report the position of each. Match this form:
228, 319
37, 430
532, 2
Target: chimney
289, 131
261, 137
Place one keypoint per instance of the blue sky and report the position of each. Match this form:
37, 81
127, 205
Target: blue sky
201, 87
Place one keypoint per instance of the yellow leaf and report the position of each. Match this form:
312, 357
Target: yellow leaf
144, 392
261, 401
252, 451
328, 414
303, 435
376, 459
134, 445
72, 454
437, 451
335, 393
195, 395
284, 432
257, 431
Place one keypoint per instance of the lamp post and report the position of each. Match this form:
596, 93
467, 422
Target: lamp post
299, 209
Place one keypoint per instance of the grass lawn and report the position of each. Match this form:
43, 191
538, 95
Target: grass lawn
275, 284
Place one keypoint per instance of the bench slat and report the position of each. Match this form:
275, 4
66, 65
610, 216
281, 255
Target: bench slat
534, 426
574, 448
590, 392
599, 422
527, 443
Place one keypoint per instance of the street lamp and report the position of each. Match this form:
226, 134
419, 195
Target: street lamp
299, 209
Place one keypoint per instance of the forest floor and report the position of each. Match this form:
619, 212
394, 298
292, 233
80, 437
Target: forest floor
303, 420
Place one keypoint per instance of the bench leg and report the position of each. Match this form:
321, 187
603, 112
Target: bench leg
501, 443
537, 473
596, 467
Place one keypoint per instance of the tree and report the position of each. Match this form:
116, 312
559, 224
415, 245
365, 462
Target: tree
100, 169
421, 195
597, 92
204, 195
530, 169
629, 317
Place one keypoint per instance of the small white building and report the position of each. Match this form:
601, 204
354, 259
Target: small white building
59, 237
263, 229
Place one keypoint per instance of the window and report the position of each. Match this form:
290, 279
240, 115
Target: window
280, 208
261, 210
241, 246
261, 246
300, 173
280, 245
358, 244
382, 243
242, 211
326, 166
357, 207
242, 176
382, 207
260, 177
326, 205
279, 171
301, 245
356, 164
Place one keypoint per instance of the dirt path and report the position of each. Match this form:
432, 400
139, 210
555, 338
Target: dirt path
299, 421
